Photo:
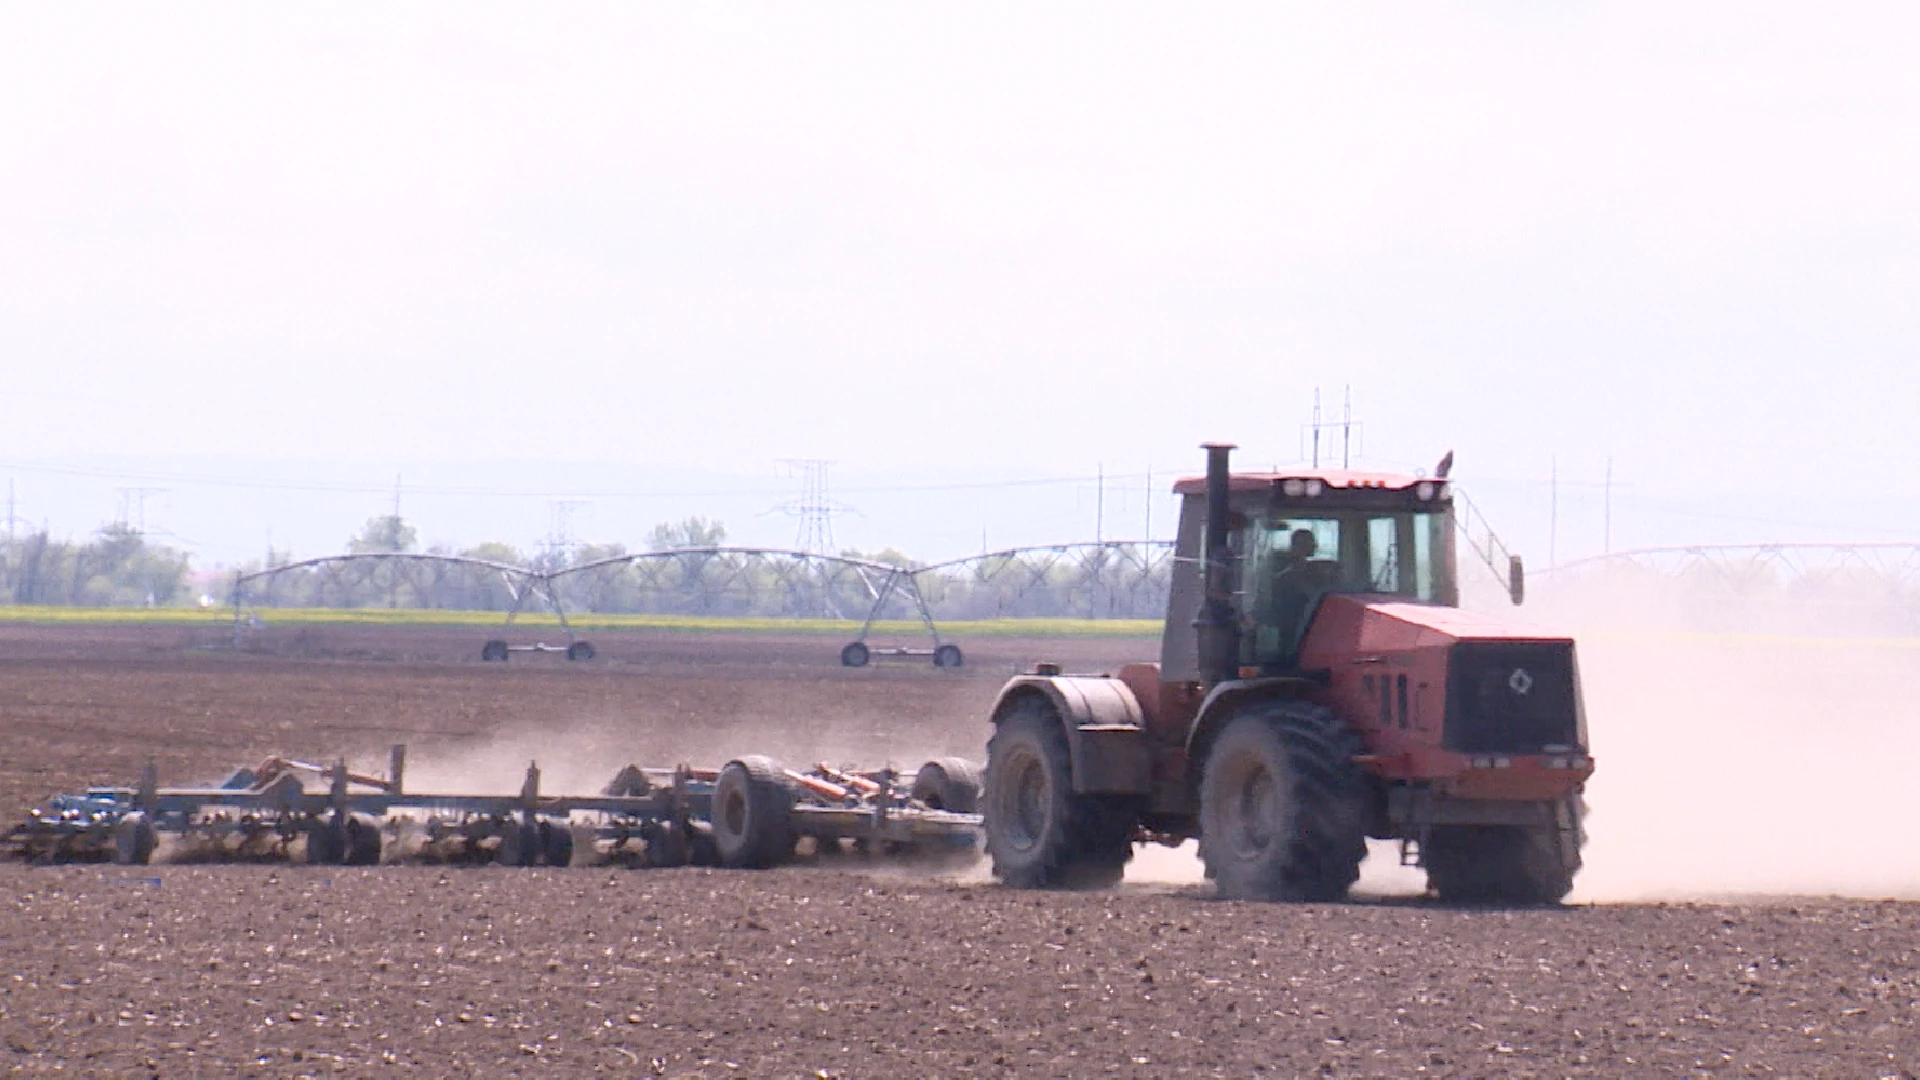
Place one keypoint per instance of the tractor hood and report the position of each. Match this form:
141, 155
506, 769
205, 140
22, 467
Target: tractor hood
1367, 623
1498, 686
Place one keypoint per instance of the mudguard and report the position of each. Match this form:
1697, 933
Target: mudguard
1106, 732
1224, 700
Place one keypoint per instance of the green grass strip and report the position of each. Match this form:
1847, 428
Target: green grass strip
219, 616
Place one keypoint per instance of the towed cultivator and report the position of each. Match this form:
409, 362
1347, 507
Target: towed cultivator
752, 812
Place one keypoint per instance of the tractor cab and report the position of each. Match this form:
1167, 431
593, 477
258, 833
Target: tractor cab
1292, 538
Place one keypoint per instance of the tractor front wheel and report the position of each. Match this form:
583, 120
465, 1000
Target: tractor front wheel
1504, 864
1039, 833
1283, 806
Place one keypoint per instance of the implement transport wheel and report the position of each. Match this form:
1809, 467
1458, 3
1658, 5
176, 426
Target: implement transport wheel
1283, 807
519, 843
134, 839
949, 783
855, 654
494, 652
1039, 833
326, 845
948, 656
580, 650
1505, 864
666, 845
753, 814
363, 841
556, 843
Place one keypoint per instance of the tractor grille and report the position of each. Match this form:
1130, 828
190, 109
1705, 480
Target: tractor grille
1511, 697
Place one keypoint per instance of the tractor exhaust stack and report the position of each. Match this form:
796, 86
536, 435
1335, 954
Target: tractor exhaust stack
1218, 635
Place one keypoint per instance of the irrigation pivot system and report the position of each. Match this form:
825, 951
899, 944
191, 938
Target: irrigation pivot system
1095, 579
751, 812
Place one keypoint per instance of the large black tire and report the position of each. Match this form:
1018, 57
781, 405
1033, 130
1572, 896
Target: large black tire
1502, 864
948, 656
134, 840
362, 841
753, 814
1283, 806
494, 652
855, 654
1039, 833
949, 783
580, 651
556, 843
326, 844
519, 843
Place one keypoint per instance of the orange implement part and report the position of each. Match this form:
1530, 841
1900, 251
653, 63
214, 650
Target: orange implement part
858, 783
823, 788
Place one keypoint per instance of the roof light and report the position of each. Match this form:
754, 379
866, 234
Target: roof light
1294, 487
1314, 488
1424, 491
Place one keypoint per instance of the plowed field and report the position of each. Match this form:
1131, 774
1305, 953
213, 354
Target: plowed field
216, 971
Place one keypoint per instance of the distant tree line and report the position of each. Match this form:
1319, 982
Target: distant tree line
117, 568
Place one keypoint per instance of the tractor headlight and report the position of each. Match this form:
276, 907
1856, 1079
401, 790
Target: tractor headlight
1313, 488
1294, 488
1423, 491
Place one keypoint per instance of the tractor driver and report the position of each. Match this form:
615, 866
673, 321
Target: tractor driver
1296, 570
1294, 577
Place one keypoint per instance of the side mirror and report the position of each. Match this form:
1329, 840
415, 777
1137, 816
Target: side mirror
1516, 580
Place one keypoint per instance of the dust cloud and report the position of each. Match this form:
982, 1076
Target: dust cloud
1751, 739
1753, 733
578, 756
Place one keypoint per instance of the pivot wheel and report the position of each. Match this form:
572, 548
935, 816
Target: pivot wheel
580, 651
948, 656
1039, 833
855, 654
1283, 806
753, 814
1506, 864
494, 652
948, 783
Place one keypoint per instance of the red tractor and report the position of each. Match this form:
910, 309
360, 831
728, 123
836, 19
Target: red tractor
1318, 685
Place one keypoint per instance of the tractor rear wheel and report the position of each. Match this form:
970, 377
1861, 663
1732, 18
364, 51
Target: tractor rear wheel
753, 814
1504, 864
948, 783
1039, 833
1283, 806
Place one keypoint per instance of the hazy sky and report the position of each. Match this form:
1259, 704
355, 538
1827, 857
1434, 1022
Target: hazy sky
958, 244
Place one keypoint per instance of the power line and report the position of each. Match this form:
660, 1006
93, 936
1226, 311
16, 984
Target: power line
348, 488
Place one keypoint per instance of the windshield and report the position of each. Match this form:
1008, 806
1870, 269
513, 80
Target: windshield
1288, 560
